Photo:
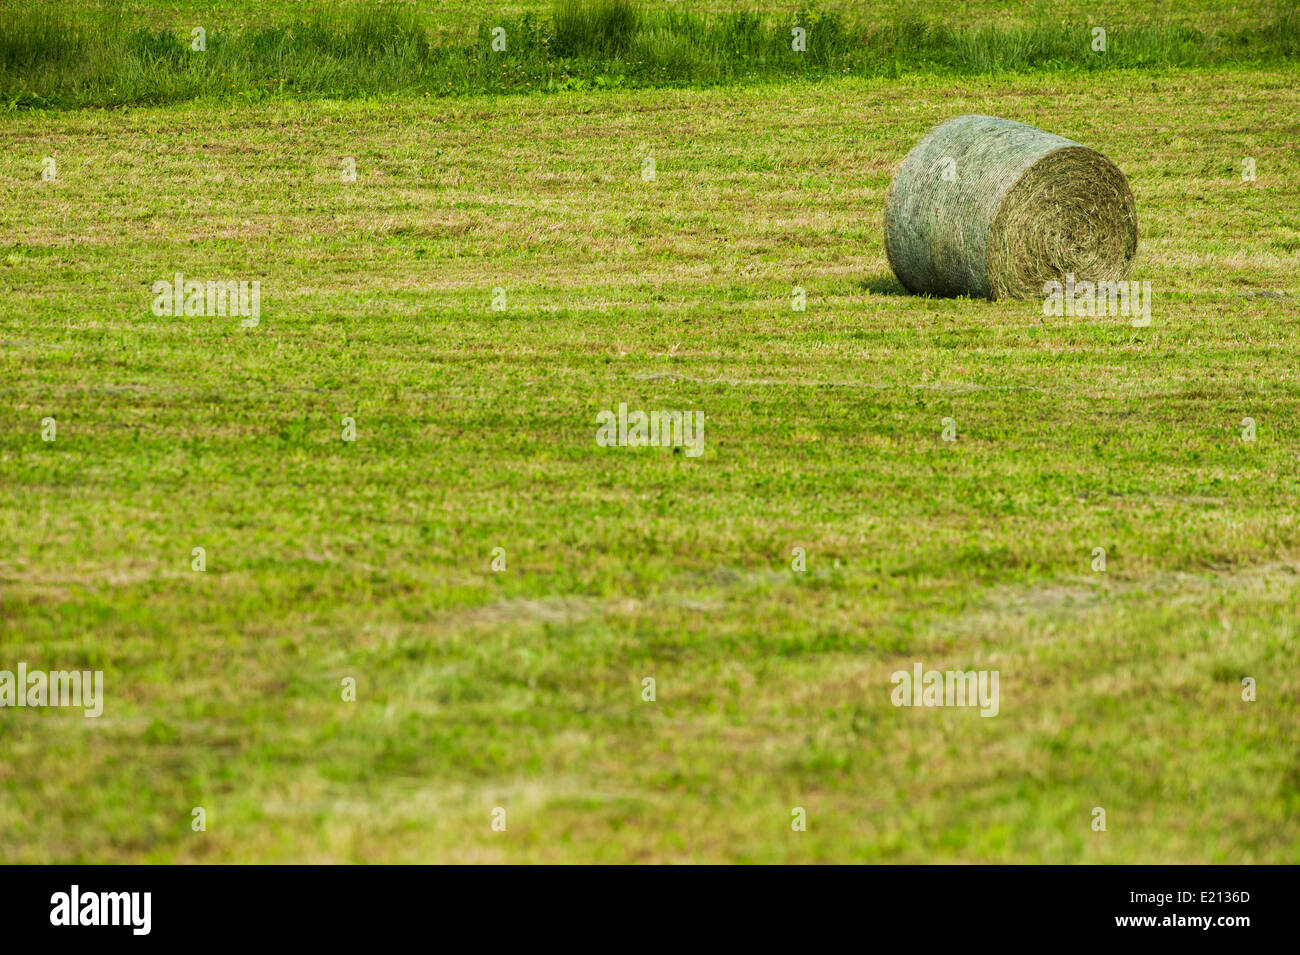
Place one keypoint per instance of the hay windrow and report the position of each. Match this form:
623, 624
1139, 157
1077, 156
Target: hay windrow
994, 208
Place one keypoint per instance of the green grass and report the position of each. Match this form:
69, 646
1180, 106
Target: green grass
598, 28
452, 15
57, 57
475, 430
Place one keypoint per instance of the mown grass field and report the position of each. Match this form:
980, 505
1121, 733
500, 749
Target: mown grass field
522, 688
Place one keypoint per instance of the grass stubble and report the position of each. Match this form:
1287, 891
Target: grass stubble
522, 688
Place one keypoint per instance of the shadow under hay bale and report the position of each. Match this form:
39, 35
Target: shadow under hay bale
883, 283
994, 208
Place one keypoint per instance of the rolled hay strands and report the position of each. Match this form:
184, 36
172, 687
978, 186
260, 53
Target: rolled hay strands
990, 207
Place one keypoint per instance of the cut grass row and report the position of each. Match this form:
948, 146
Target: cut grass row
522, 688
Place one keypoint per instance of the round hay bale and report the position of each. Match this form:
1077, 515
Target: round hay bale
994, 208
